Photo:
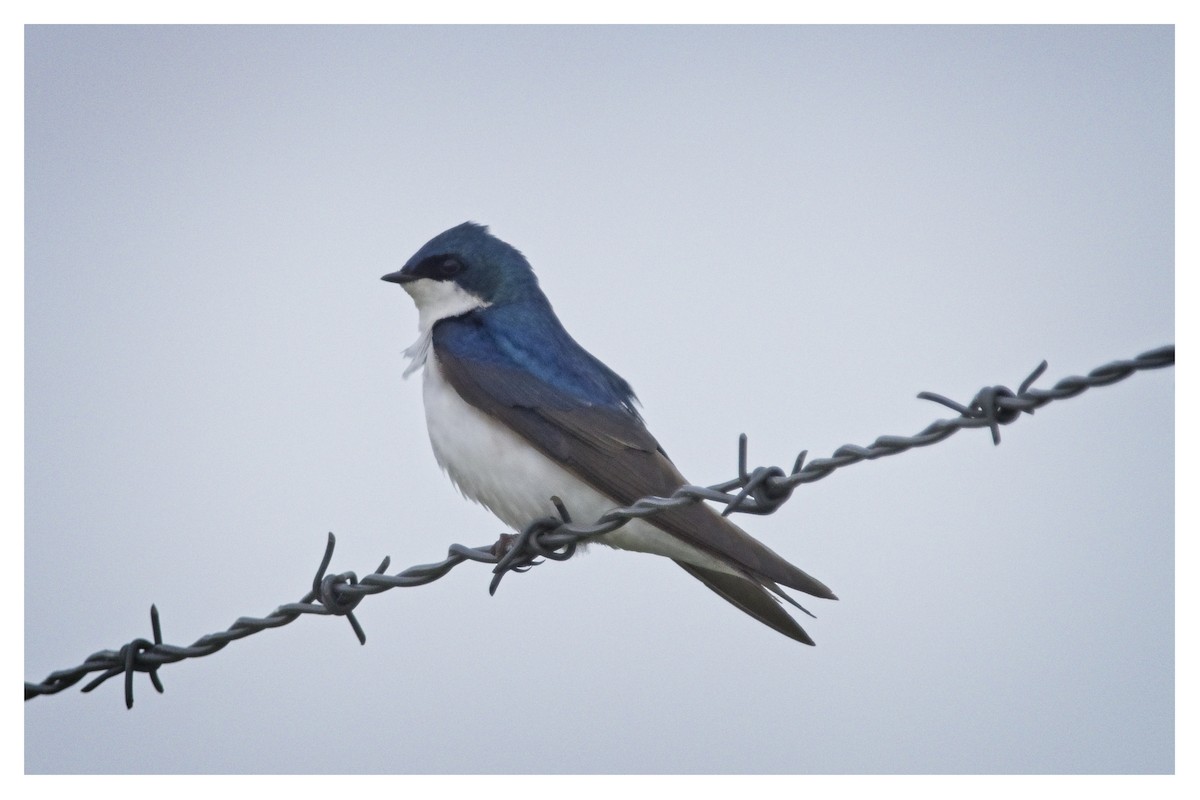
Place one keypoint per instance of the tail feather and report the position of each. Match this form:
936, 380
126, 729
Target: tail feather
782, 595
752, 598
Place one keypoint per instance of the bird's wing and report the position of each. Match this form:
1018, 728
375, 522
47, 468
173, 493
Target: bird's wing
610, 449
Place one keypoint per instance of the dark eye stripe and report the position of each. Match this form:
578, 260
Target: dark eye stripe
440, 268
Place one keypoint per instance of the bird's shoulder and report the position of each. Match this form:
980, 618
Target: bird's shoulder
530, 359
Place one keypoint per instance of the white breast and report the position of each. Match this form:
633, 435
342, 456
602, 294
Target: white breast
497, 468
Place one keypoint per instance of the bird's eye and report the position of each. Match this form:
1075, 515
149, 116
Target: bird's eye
449, 267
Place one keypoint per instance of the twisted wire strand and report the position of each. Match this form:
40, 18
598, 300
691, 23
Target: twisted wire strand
761, 490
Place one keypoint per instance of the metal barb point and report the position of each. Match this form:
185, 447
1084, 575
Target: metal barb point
157, 628
946, 401
563, 514
326, 590
744, 477
325, 559
1033, 376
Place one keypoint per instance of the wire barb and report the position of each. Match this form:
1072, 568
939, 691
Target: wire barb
761, 490
327, 588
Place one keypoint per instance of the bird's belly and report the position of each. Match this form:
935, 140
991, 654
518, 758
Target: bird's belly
497, 468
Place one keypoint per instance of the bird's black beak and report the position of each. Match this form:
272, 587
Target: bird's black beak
400, 277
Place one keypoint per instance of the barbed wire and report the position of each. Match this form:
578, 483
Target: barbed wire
761, 490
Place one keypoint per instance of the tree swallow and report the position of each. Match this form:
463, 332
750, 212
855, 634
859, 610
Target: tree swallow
518, 413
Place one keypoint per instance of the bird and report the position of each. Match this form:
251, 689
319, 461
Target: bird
519, 413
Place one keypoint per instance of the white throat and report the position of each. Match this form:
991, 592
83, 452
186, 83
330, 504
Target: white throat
436, 300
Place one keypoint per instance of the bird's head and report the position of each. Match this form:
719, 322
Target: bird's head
463, 269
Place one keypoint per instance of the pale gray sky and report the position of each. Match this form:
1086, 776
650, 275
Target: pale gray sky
786, 231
